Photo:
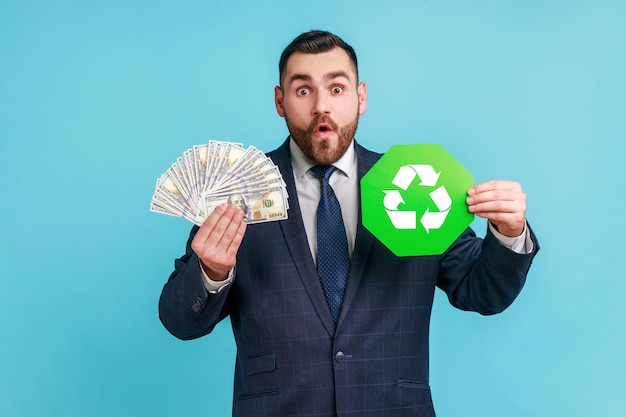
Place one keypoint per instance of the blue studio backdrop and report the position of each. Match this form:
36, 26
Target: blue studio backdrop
97, 99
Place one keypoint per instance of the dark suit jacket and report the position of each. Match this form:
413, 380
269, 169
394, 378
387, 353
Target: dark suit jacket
292, 360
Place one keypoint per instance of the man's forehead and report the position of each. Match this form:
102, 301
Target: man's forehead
319, 65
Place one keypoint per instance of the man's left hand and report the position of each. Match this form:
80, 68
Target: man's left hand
503, 203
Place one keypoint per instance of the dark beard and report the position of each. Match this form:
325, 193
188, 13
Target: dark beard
323, 154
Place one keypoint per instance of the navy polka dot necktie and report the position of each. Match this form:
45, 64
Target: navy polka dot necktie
333, 260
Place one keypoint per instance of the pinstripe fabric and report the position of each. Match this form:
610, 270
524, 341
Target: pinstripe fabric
292, 359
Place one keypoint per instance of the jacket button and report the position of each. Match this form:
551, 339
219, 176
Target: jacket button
197, 306
340, 356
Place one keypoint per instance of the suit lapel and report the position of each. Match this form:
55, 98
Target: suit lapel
296, 239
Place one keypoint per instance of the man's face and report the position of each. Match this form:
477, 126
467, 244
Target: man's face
321, 103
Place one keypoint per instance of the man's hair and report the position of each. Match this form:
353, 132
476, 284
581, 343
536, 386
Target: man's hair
315, 42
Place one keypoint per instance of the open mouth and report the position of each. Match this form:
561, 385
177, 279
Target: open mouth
322, 128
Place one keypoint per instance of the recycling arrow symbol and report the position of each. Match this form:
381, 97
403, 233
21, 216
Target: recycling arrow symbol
407, 219
404, 206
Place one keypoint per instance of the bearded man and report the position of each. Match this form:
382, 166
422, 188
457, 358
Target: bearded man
344, 331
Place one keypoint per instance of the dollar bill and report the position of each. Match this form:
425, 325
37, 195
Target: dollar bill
219, 172
261, 205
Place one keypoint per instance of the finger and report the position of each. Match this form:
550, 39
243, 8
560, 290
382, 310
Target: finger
216, 235
209, 223
508, 216
498, 206
223, 256
214, 251
496, 195
230, 230
211, 231
494, 185
237, 239
512, 220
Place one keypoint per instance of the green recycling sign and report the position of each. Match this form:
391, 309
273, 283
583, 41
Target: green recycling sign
413, 199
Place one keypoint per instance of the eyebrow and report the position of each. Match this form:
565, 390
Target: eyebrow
327, 77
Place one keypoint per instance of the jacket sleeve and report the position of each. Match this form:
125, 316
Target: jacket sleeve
483, 275
186, 308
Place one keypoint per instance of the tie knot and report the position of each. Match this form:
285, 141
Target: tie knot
323, 171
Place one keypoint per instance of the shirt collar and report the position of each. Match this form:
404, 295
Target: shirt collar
301, 163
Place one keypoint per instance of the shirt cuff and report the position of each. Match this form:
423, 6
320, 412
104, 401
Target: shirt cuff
521, 244
213, 287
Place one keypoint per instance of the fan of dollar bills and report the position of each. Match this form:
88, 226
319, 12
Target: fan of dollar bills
206, 176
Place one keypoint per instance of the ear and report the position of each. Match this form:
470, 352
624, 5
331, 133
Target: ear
278, 101
362, 94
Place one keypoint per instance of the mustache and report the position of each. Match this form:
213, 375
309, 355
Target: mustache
322, 119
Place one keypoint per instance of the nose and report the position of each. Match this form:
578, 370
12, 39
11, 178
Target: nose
322, 104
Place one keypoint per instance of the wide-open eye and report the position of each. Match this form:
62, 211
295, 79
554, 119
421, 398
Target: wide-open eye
303, 91
337, 89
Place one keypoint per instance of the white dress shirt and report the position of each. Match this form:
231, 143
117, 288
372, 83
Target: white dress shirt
344, 182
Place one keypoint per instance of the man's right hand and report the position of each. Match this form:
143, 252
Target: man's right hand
217, 241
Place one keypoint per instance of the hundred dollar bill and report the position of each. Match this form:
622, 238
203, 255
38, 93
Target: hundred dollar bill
200, 157
213, 158
258, 206
222, 151
189, 170
221, 172
255, 179
229, 158
247, 169
167, 195
251, 186
251, 156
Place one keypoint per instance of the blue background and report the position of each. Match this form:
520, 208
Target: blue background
97, 99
